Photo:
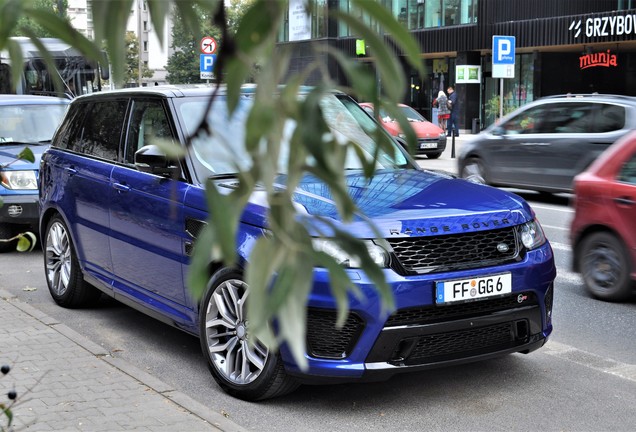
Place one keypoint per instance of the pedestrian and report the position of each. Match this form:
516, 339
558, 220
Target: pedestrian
443, 113
453, 105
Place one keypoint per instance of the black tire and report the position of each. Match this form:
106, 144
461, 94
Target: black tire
434, 155
63, 274
6, 232
225, 343
474, 170
605, 266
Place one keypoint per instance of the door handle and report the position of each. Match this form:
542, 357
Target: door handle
121, 187
70, 171
626, 201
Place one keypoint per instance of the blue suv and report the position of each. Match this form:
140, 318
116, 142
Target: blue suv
25, 121
471, 270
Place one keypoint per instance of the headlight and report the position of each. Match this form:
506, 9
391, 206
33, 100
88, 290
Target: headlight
532, 235
19, 179
378, 254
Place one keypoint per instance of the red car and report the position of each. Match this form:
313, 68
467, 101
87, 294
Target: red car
431, 139
603, 231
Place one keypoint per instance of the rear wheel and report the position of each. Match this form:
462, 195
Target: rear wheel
605, 267
63, 274
244, 368
474, 170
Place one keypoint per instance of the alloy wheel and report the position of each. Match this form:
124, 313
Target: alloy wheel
233, 354
58, 258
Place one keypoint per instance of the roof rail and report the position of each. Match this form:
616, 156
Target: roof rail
584, 95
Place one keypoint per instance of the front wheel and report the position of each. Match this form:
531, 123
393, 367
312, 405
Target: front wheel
244, 368
605, 267
434, 155
474, 171
63, 274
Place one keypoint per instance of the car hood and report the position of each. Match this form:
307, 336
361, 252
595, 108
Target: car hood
402, 203
9, 153
422, 129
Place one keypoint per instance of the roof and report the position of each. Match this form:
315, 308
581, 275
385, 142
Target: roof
12, 99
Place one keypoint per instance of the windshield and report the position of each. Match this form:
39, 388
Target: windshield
29, 123
411, 114
223, 151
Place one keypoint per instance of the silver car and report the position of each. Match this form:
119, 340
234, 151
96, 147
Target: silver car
544, 144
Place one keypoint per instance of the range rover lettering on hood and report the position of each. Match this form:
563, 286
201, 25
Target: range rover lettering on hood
493, 223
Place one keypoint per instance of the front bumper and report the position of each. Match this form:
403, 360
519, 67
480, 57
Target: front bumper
20, 209
421, 335
427, 146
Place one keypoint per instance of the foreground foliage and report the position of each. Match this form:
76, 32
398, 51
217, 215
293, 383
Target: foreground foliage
287, 252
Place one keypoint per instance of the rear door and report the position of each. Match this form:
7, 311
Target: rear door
85, 170
146, 218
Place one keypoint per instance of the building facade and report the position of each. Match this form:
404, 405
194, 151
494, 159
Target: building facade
560, 46
151, 52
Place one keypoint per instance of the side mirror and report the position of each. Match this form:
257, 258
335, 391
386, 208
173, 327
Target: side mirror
150, 159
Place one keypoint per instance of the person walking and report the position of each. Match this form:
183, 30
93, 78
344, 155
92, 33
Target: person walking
453, 105
443, 113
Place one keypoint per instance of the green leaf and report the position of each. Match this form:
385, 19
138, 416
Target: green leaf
398, 32
10, 12
111, 28
258, 25
26, 154
15, 53
26, 242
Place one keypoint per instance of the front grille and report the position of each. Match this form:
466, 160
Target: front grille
455, 251
442, 346
325, 340
433, 314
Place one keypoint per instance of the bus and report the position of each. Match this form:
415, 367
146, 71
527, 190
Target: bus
79, 75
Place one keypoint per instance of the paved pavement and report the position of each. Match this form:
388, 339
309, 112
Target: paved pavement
65, 382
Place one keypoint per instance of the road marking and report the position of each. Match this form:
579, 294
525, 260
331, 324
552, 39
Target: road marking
560, 246
554, 207
555, 227
604, 364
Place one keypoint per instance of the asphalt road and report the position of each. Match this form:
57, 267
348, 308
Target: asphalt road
584, 379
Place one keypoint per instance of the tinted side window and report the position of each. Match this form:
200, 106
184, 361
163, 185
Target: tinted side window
102, 129
525, 122
148, 124
609, 118
567, 118
71, 127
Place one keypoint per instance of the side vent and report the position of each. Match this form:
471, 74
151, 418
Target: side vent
193, 228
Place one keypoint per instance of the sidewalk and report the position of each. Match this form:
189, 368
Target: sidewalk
65, 382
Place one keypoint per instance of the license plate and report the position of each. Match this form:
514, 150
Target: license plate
461, 290
428, 145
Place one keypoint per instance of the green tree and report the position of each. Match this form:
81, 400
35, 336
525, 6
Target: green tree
183, 66
288, 251
132, 60
59, 7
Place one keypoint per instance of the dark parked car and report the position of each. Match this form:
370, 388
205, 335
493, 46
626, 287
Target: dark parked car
603, 231
471, 270
25, 121
544, 144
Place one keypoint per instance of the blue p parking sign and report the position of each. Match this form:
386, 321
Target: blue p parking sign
207, 65
503, 56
